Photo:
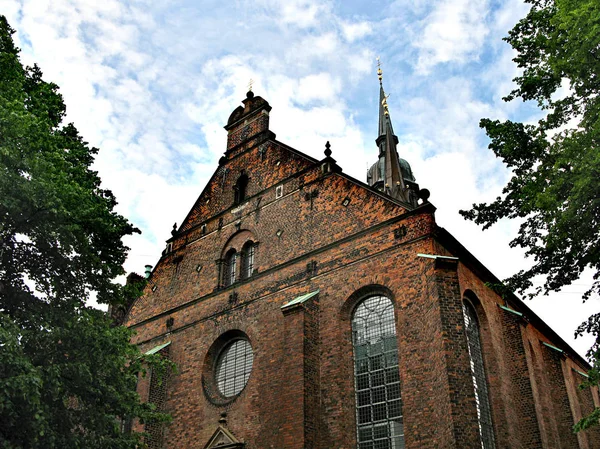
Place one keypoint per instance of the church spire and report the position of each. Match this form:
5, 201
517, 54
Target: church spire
390, 174
384, 115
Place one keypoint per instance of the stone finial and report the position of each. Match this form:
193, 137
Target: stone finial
174, 230
328, 149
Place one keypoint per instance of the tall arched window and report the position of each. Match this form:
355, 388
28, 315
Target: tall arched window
247, 262
377, 377
229, 268
482, 399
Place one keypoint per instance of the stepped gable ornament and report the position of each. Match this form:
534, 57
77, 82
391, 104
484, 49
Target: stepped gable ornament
329, 164
327, 149
222, 438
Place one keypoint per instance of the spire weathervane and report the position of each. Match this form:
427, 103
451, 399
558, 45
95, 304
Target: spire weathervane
250, 83
379, 71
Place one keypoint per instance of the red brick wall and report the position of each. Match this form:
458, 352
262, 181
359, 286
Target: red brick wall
300, 393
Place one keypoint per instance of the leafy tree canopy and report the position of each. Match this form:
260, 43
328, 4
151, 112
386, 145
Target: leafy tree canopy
66, 374
555, 163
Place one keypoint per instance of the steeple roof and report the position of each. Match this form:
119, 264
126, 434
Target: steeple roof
384, 115
390, 174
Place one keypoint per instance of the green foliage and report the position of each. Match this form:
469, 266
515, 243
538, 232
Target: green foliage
555, 188
67, 375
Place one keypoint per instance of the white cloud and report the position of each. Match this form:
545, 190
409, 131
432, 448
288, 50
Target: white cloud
302, 13
357, 30
453, 31
318, 87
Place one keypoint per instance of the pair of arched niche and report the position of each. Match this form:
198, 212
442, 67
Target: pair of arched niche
379, 414
238, 258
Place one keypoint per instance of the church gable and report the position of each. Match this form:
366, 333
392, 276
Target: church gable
265, 165
306, 212
290, 202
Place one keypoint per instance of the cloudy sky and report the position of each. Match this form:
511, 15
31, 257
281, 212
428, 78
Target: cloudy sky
152, 84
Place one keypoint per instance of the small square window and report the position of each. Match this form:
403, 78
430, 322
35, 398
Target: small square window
278, 192
346, 202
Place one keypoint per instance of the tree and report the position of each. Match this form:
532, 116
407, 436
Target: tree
555, 163
67, 375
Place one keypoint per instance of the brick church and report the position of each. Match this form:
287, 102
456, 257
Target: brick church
307, 309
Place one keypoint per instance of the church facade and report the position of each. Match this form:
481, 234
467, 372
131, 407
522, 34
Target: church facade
307, 309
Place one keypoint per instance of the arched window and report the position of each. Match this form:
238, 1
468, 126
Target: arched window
376, 374
239, 194
247, 262
482, 399
229, 268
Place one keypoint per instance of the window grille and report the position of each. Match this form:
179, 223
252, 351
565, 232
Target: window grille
377, 377
229, 273
247, 267
233, 367
484, 414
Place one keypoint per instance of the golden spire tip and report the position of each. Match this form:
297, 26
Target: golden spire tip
379, 71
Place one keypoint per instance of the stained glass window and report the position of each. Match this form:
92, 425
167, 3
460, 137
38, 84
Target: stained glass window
377, 380
484, 413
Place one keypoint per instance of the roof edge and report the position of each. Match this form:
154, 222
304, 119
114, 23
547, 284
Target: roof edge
467, 258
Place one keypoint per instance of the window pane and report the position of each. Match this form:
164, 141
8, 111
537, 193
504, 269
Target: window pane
247, 263
484, 414
229, 268
377, 378
233, 367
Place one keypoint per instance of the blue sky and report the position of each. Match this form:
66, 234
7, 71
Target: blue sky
152, 83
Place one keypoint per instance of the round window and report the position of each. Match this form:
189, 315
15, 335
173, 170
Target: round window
233, 367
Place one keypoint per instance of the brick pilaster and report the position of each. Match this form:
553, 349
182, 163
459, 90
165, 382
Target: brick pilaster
458, 365
523, 414
300, 405
553, 360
